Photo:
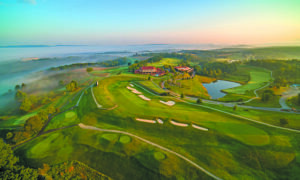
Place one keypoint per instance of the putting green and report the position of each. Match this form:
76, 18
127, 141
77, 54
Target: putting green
110, 137
125, 139
159, 156
70, 114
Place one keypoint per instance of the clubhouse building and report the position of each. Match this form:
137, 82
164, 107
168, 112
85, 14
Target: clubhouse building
183, 69
151, 70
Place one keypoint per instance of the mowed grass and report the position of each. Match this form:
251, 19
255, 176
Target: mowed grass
236, 135
257, 79
191, 87
232, 148
152, 86
159, 156
125, 139
119, 161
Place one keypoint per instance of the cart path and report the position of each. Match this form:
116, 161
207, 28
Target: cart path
153, 144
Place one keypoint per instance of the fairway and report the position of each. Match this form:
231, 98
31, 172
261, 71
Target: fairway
152, 86
258, 79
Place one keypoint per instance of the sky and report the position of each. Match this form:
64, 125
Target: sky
149, 21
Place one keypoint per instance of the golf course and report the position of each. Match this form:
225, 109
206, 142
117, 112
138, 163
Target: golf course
243, 149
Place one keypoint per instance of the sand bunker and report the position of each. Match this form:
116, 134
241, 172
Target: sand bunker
144, 97
160, 121
179, 124
131, 85
134, 90
169, 103
146, 120
199, 127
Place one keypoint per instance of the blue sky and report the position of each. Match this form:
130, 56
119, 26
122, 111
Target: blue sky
138, 21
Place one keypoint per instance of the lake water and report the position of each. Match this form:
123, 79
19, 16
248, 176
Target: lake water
214, 88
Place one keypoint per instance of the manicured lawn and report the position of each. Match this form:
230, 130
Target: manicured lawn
152, 86
257, 80
232, 148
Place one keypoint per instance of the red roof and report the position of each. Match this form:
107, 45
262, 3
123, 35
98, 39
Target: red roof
148, 67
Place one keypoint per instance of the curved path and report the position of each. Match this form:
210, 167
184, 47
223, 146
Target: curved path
255, 91
100, 106
234, 115
153, 144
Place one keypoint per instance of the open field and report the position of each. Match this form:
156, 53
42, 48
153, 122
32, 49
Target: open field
191, 87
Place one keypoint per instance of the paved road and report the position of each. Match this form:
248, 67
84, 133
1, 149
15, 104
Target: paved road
293, 91
153, 144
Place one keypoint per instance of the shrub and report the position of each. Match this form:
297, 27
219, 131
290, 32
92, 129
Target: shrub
283, 121
89, 69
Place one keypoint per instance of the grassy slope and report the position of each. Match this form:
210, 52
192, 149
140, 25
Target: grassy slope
165, 61
191, 87
257, 80
152, 86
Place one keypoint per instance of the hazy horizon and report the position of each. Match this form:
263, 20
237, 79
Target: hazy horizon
139, 22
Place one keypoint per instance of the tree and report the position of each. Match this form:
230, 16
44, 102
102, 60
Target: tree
23, 85
9, 168
89, 69
129, 64
283, 121
235, 107
33, 125
72, 86
199, 101
9, 135
20, 95
267, 95
149, 78
26, 105
298, 100
17, 87
182, 96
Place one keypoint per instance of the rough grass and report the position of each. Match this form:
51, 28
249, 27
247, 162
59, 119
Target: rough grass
166, 61
191, 87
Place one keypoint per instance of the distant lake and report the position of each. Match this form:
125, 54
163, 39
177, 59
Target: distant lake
214, 88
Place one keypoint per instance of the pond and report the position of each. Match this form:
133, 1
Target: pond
214, 88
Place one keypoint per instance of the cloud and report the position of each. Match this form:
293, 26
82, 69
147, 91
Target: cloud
28, 1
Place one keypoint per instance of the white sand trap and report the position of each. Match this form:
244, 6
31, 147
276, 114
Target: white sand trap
146, 120
169, 103
130, 88
199, 127
131, 85
160, 121
179, 124
134, 90
144, 97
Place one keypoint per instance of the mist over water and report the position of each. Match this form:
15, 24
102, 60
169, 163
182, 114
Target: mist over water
16, 66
